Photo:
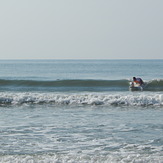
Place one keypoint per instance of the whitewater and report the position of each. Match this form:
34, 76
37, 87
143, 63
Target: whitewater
82, 99
80, 111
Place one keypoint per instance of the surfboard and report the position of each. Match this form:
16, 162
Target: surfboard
136, 87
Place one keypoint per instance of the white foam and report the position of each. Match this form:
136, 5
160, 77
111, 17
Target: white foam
135, 99
53, 158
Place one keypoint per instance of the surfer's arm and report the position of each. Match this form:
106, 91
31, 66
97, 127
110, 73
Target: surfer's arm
132, 84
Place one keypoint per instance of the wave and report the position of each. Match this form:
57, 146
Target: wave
78, 85
83, 99
65, 83
155, 85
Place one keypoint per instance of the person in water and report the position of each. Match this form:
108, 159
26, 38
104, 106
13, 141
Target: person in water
137, 81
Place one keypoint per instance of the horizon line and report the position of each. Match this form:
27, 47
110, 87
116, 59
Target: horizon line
86, 59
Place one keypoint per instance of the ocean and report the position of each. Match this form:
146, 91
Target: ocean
80, 111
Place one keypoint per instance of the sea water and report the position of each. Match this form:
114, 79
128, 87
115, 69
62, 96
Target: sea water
80, 111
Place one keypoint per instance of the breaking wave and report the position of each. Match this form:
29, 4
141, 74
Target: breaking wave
132, 99
76, 85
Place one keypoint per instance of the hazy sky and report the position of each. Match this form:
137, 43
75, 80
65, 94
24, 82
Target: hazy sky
81, 29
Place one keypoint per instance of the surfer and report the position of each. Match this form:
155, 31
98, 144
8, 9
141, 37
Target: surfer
137, 81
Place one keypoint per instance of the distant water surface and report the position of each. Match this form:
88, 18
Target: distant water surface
80, 69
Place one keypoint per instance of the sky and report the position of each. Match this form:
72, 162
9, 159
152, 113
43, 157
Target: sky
81, 29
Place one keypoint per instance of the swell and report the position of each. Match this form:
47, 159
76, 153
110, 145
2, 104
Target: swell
136, 99
64, 83
155, 85
80, 85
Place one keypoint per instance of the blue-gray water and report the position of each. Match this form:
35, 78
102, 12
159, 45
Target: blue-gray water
80, 111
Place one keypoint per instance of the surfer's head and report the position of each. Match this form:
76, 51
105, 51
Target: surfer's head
134, 78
